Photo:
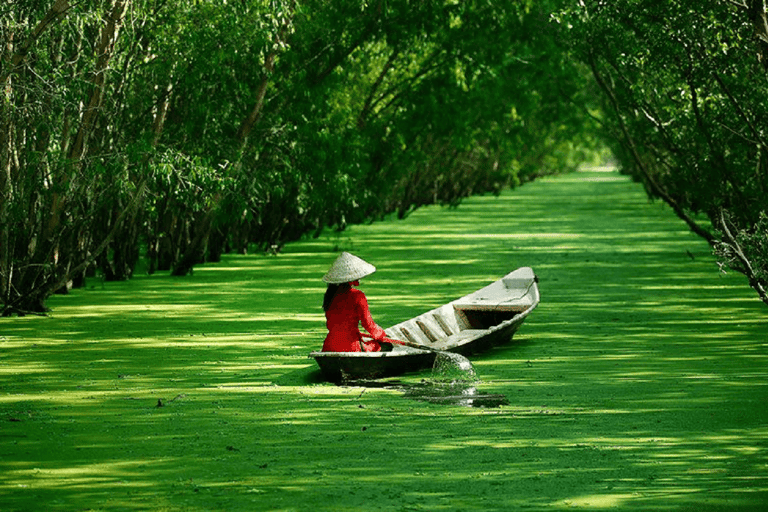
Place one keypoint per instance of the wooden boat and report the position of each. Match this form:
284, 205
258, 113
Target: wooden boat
471, 324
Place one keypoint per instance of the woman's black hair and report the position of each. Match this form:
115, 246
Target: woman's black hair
330, 293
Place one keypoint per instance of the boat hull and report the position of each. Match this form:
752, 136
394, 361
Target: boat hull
339, 368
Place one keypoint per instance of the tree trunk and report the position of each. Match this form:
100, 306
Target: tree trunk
105, 51
269, 65
250, 121
195, 251
56, 12
759, 17
78, 148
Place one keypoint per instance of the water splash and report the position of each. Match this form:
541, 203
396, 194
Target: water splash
449, 366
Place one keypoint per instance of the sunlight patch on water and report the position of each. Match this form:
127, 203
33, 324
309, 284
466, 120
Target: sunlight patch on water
596, 501
80, 475
97, 311
17, 369
486, 236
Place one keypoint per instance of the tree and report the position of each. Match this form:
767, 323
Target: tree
193, 128
53, 155
686, 86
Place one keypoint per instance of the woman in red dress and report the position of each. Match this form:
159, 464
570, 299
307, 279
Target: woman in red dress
346, 307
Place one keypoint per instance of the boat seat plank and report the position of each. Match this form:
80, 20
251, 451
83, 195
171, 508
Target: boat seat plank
459, 338
447, 316
418, 330
423, 330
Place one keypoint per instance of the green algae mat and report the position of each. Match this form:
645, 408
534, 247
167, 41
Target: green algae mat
639, 383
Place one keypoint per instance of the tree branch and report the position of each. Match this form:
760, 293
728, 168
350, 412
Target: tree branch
361, 119
740, 5
746, 267
57, 11
342, 55
655, 187
105, 50
269, 65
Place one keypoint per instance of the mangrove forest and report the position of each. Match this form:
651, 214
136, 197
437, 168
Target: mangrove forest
178, 131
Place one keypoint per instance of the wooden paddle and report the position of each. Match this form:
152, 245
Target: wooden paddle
456, 360
405, 343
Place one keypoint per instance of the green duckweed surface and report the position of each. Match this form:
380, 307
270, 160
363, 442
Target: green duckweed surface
639, 383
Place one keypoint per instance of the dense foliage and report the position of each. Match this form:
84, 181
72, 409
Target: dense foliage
684, 87
187, 129
193, 128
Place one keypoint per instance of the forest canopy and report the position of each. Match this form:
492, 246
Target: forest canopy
183, 130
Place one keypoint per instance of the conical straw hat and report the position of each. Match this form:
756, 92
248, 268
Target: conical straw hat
347, 268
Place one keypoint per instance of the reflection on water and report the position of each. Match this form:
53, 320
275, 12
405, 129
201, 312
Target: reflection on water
454, 393
437, 391
453, 382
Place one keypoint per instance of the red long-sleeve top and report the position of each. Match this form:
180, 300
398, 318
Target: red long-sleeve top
348, 309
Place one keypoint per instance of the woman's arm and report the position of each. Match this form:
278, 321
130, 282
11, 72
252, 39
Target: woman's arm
364, 314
